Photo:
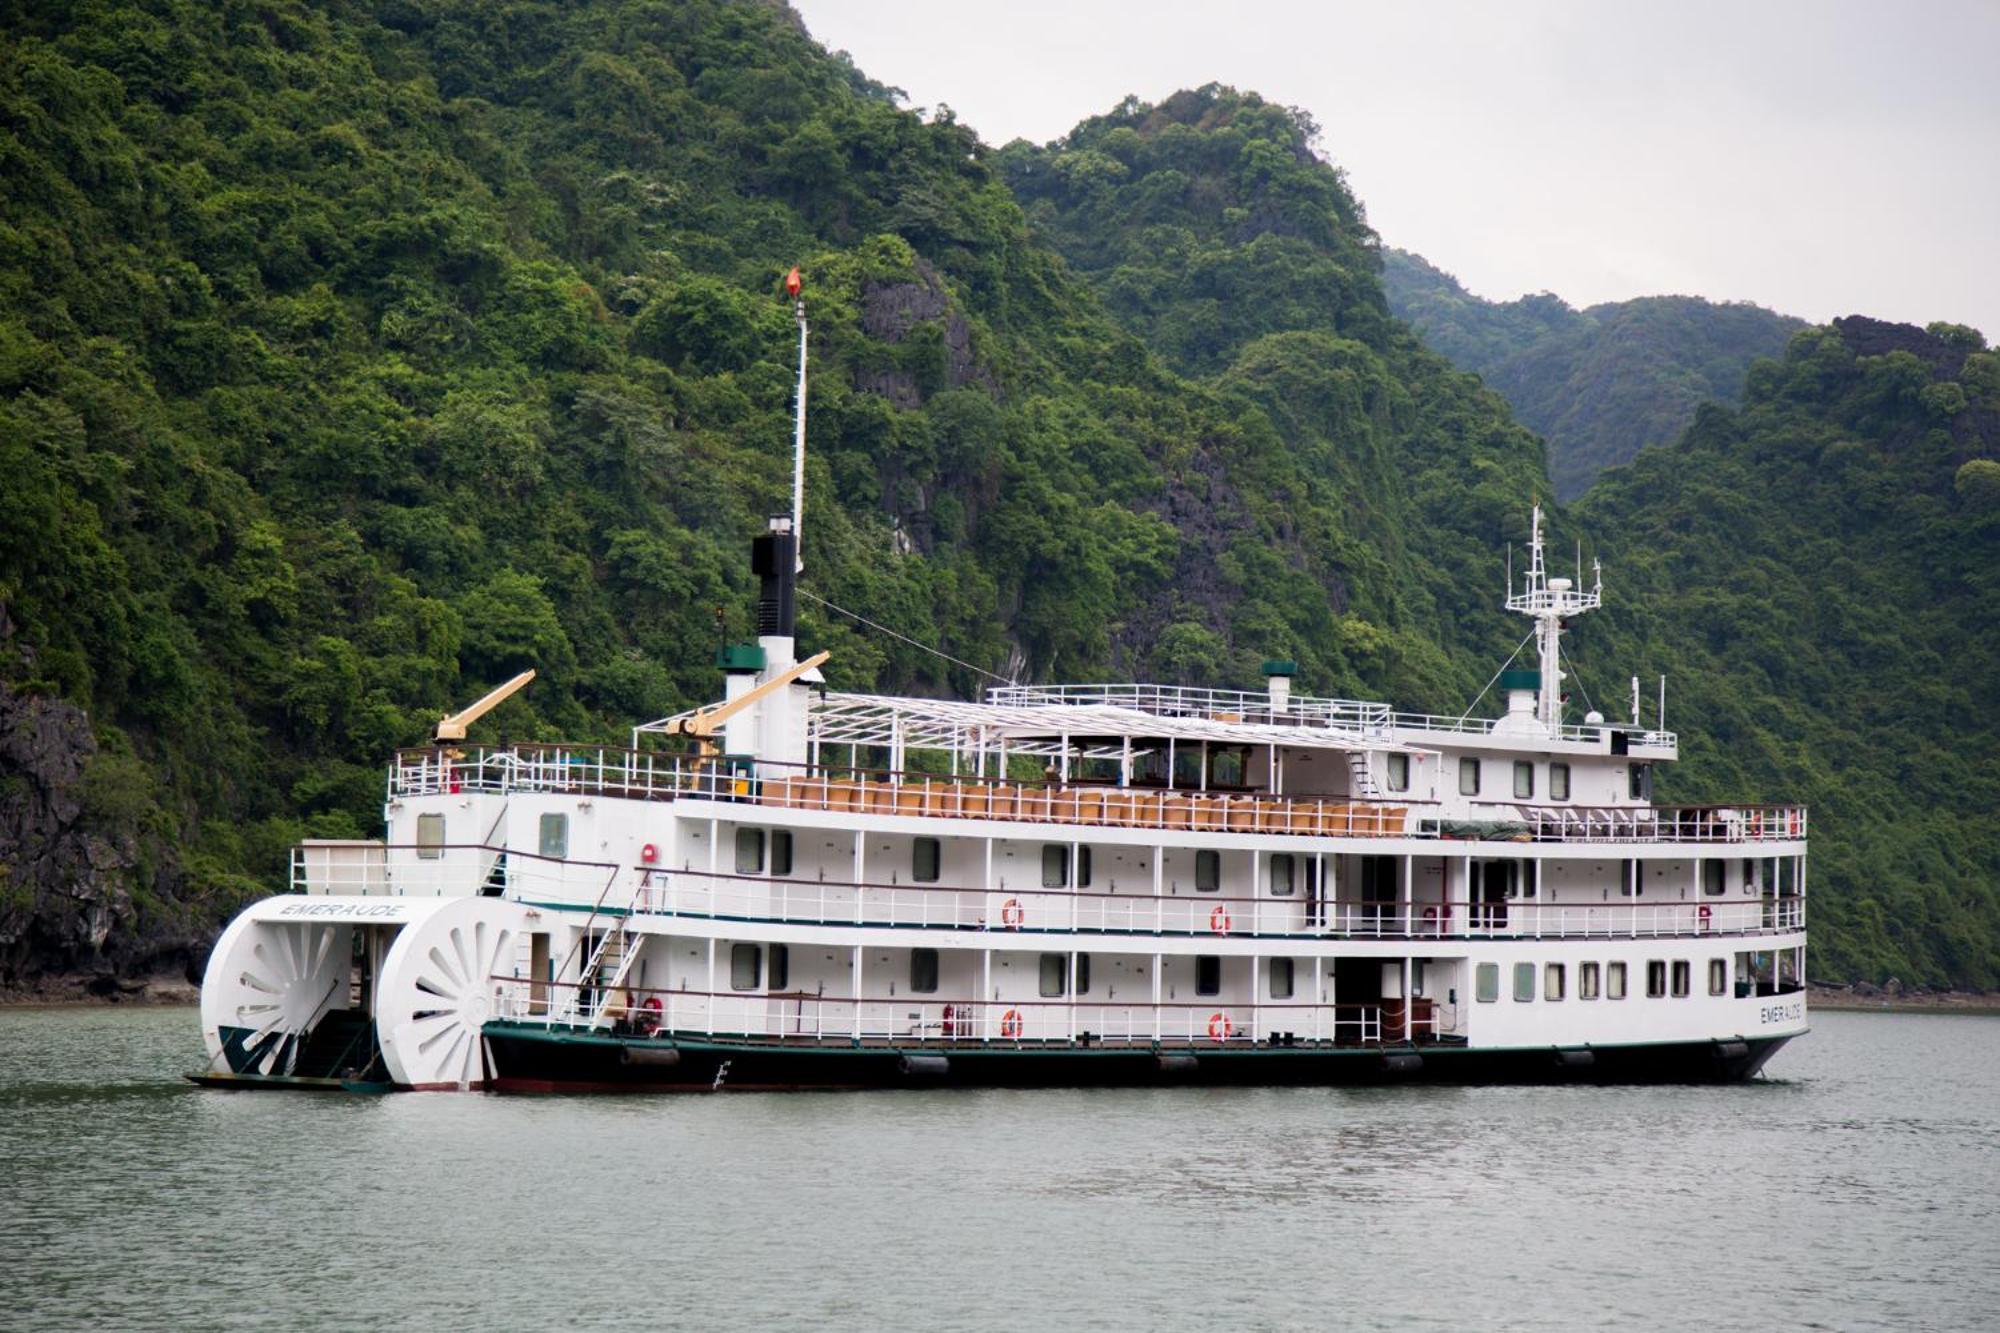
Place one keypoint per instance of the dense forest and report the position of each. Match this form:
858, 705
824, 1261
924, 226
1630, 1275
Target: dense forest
1598, 384
353, 358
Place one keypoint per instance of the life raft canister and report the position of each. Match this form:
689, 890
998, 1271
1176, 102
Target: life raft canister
1012, 914
1010, 1023
1219, 1026
1218, 920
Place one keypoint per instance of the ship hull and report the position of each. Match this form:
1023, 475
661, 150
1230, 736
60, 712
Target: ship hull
531, 1058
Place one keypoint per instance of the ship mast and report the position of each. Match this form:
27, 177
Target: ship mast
1550, 602
793, 287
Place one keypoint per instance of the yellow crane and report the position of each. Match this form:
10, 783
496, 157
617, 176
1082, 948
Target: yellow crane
452, 726
702, 725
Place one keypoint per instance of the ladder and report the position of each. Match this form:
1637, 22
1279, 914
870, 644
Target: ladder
1363, 780
611, 964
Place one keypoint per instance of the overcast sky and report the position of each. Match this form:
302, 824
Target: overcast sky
1822, 158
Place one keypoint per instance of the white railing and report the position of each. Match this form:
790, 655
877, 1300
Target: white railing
644, 775
1215, 705
431, 870
795, 1016
828, 902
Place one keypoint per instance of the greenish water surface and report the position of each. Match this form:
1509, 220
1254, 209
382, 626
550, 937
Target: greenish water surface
1853, 1188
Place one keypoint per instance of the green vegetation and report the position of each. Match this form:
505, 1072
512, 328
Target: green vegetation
352, 360
1819, 573
1598, 384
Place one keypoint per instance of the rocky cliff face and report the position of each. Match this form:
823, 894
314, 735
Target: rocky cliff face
71, 879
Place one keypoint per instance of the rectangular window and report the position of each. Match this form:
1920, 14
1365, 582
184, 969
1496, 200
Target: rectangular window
1207, 871
749, 851
746, 966
1558, 782
781, 966
1713, 876
924, 857
1399, 772
923, 971
1486, 983
1055, 975
1083, 867
1614, 981
555, 836
1718, 976
1631, 878
1281, 978
1207, 974
1552, 981
430, 837
781, 852
1656, 979
1586, 981
1524, 780
1281, 874
1083, 974
1524, 982
1055, 866
1640, 783
1468, 777
1682, 969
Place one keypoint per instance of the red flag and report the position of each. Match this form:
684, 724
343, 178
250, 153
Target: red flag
792, 282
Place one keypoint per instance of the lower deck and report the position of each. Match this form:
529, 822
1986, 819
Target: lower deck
529, 1057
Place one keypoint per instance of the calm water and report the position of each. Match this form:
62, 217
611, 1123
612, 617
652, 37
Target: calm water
1855, 1188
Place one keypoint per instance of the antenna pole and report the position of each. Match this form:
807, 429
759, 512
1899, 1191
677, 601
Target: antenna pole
799, 438
1660, 719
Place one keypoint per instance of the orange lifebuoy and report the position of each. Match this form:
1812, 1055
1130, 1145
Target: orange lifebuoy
1219, 1027
649, 1016
1010, 1023
1702, 915
1218, 920
1012, 914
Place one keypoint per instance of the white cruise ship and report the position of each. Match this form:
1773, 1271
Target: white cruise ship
1058, 885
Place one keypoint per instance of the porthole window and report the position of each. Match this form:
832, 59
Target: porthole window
430, 837
554, 840
746, 965
1282, 975
1207, 974
1055, 866
923, 971
925, 854
749, 851
1524, 982
1055, 975
1486, 983
1207, 871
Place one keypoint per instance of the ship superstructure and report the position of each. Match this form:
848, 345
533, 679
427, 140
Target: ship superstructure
1055, 884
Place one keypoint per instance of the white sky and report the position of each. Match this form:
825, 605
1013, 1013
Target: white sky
1821, 157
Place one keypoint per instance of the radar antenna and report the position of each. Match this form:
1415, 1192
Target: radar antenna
1549, 603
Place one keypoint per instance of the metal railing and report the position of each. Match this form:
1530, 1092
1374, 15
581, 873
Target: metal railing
609, 771
790, 1016
717, 895
433, 870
